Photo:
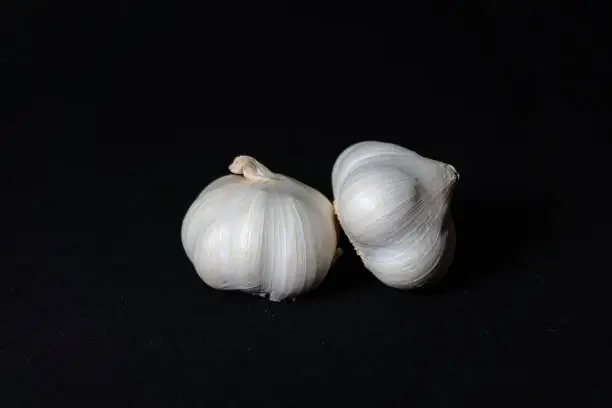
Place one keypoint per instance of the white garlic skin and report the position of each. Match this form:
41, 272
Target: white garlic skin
260, 232
394, 206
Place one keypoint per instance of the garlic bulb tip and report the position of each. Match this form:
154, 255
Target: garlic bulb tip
251, 169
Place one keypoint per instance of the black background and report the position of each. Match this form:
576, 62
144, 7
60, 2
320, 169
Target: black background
114, 117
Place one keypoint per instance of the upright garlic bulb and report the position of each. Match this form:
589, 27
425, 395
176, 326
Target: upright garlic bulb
260, 232
393, 205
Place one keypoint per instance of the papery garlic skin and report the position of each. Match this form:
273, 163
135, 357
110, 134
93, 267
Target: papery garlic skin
260, 232
394, 206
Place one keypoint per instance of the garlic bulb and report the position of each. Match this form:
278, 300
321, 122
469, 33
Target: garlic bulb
260, 232
394, 206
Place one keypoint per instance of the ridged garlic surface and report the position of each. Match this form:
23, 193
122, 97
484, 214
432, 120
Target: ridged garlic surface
260, 232
394, 206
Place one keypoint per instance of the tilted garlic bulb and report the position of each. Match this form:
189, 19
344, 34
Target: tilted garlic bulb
260, 232
394, 206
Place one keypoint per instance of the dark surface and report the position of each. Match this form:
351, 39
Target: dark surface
114, 118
